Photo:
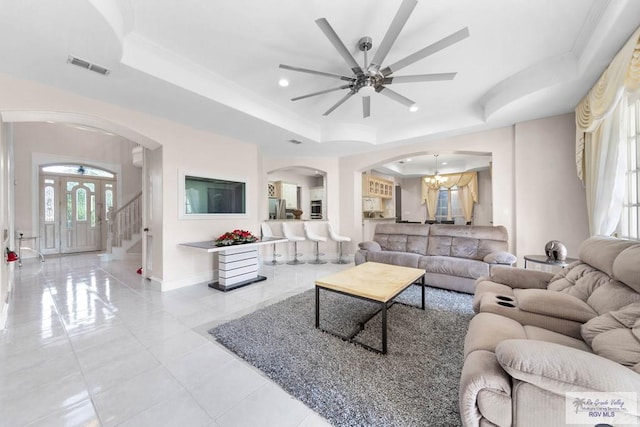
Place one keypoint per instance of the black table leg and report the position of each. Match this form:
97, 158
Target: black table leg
317, 307
384, 328
423, 285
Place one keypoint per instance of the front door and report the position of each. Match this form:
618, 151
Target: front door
81, 215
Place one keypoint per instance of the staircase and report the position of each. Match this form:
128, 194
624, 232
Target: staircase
123, 229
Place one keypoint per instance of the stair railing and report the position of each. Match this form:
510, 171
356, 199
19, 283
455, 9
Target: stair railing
123, 223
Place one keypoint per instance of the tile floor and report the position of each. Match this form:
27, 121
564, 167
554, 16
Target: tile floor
90, 343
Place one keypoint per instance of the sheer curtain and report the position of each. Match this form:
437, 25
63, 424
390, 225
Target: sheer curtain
467, 184
600, 131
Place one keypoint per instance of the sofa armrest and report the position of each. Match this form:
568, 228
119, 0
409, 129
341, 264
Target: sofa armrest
370, 246
554, 304
521, 278
485, 390
561, 369
504, 258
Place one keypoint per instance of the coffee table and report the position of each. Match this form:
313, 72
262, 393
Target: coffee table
371, 281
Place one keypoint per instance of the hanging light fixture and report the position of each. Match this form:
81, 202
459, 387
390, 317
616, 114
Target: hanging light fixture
436, 178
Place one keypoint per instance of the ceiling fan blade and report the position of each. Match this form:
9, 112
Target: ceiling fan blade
320, 92
395, 96
339, 103
419, 78
366, 106
402, 15
318, 73
429, 50
340, 47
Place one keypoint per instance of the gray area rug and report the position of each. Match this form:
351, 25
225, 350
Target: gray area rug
415, 384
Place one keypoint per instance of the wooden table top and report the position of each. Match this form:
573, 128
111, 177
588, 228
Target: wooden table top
372, 280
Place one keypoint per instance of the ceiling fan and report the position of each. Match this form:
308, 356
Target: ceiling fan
371, 78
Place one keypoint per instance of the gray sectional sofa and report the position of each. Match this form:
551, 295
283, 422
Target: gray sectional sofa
539, 337
453, 256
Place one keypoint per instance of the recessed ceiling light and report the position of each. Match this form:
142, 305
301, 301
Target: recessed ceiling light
409, 159
283, 82
414, 108
443, 163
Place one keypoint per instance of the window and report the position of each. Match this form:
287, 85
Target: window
630, 223
448, 206
77, 170
207, 196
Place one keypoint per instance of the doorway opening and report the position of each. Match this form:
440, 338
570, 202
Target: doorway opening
75, 200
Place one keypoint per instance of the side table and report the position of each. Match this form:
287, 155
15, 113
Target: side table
542, 259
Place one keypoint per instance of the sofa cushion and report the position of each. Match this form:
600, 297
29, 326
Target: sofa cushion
439, 246
626, 267
616, 335
553, 304
601, 252
404, 259
459, 267
620, 345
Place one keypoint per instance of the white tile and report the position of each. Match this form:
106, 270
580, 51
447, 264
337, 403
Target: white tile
135, 395
180, 412
227, 386
80, 414
201, 365
267, 406
44, 400
177, 345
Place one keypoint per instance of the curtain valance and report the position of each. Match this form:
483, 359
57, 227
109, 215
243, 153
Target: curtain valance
467, 184
622, 75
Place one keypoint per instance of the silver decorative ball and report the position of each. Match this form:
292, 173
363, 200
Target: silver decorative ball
555, 251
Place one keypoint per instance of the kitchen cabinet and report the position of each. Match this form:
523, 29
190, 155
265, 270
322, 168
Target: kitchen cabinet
374, 186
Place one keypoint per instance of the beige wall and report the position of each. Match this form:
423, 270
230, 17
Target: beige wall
536, 194
38, 144
550, 200
483, 210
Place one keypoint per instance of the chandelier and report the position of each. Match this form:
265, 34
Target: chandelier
436, 178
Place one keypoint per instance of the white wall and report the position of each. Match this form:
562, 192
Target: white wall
411, 198
6, 227
37, 144
550, 199
483, 210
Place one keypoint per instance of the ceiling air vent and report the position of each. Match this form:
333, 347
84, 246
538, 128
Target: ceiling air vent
295, 141
87, 65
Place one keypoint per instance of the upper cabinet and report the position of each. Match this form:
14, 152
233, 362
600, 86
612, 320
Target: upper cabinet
374, 186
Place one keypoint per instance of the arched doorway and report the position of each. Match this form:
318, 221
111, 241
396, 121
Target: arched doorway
74, 202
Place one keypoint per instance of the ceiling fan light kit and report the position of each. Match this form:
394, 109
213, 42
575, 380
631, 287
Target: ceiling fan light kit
370, 78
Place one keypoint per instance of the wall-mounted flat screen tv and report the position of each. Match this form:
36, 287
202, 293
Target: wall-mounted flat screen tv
214, 196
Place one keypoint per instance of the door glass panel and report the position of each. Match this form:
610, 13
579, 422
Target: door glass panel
93, 210
70, 185
108, 199
48, 181
90, 185
49, 213
81, 205
69, 210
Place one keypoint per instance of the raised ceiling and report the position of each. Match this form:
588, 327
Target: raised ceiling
214, 65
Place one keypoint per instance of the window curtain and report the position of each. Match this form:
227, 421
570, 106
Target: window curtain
467, 184
600, 132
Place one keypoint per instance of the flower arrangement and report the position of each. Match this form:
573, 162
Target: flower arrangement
235, 237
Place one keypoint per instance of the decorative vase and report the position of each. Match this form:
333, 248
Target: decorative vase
555, 251
297, 213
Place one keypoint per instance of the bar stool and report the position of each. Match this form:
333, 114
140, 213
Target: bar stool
295, 239
316, 239
267, 234
340, 239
